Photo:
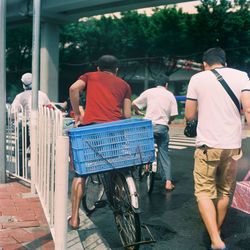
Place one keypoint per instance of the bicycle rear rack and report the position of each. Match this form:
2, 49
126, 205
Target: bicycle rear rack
149, 240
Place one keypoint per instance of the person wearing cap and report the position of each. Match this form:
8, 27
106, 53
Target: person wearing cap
22, 101
161, 108
22, 105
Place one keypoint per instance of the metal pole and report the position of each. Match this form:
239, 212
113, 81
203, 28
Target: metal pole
2, 90
36, 53
35, 84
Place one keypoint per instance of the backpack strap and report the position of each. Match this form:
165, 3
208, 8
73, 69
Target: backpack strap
227, 88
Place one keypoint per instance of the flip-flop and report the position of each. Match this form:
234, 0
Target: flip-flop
72, 227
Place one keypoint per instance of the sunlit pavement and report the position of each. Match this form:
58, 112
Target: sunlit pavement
22, 221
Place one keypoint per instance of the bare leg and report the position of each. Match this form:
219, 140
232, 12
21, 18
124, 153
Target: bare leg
208, 214
221, 206
76, 196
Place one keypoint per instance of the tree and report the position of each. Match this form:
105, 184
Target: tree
167, 32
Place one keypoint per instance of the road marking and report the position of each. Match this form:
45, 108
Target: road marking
182, 140
176, 147
182, 144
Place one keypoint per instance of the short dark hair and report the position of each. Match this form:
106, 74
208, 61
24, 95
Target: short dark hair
107, 63
214, 56
161, 80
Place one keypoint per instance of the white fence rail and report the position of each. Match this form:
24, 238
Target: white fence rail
17, 144
51, 179
50, 168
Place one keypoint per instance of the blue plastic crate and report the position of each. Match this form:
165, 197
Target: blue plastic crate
112, 145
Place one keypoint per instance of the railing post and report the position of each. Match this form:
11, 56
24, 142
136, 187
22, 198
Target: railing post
33, 146
61, 191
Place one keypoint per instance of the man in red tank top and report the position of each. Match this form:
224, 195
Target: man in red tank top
108, 98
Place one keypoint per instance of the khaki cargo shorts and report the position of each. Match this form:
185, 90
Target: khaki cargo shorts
214, 171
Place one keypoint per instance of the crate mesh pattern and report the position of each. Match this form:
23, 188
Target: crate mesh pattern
112, 145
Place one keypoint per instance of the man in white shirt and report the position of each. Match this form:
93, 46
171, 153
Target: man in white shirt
161, 108
218, 137
22, 105
22, 101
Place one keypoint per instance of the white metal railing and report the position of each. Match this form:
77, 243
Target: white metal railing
17, 144
48, 170
51, 174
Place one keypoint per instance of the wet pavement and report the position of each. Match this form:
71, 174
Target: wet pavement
173, 217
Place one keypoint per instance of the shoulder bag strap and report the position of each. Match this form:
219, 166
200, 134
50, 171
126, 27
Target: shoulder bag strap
227, 88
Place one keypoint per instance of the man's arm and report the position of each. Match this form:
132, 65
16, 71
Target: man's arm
137, 110
174, 110
16, 104
245, 100
171, 118
74, 93
127, 108
191, 110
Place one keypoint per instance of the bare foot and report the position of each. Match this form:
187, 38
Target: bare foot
169, 186
73, 224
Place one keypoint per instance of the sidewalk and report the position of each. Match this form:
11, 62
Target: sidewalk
23, 225
22, 221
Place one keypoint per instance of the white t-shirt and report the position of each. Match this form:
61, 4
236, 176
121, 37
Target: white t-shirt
219, 123
160, 103
24, 100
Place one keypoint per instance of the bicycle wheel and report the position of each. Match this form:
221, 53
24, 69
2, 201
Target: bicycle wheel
93, 193
127, 221
150, 181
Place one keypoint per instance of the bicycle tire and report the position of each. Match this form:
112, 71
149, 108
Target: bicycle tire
150, 181
93, 183
126, 219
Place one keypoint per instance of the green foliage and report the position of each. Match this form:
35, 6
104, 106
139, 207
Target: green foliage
19, 48
168, 32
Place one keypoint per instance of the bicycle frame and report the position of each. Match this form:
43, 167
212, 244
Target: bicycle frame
106, 179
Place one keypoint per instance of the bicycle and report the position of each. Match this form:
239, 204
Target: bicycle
122, 198
107, 153
149, 170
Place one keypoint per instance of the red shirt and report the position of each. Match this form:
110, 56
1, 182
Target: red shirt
105, 94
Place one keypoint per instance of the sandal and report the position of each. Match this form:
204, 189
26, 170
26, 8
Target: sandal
73, 227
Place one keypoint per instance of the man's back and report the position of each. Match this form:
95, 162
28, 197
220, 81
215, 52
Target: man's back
160, 102
24, 100
105, 94
219, 123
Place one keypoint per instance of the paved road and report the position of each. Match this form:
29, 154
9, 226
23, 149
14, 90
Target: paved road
173, 217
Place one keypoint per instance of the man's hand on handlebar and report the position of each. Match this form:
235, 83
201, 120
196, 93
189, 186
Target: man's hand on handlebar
77, 118
139, 112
